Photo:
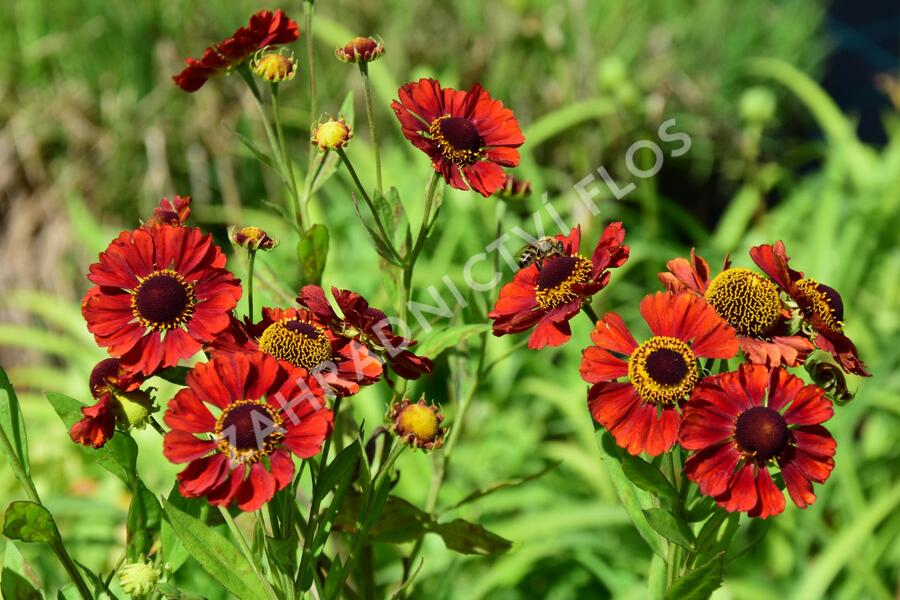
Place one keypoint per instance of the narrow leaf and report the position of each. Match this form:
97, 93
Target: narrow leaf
12, 423
647, 477
699, 583
471, 538
670, 527
312, 252
17, 579
502, 485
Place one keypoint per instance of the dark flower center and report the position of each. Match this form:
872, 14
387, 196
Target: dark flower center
557, 276
163, 300
824, 302
666, 366
248, 430
761, 432
457, 138
745, 300
663, 370
555, 270
106, 370
301, 343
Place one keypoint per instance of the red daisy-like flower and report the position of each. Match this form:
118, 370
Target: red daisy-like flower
300, 340
265, 29
251, 414
549, 292
161, 293
99, 420
642, 413
171, 212
740, 424
368, 325
820, 305
469, 136
748, 302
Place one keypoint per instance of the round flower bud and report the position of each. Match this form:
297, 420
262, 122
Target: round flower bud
138, 579
274, 67
360, 50
418, 424
757, 106
332, 134
251, 238
133, 409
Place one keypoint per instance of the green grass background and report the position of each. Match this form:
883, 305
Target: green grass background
93, 133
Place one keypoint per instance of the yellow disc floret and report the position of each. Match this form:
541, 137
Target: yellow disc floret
247, 430
557, 276
301, 343
418, 423
823, 302
745, 300
663, 370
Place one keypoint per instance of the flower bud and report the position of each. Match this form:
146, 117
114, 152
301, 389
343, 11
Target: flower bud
361, 50
418, 424
332, 134
274, 67
252, 238
757, 106
138, 579
133, 409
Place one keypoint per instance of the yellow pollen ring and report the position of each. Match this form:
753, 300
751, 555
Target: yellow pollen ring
745, 300
181, 318
819, 305
562, 293
294, 346
656, 392
270, 424
460, 156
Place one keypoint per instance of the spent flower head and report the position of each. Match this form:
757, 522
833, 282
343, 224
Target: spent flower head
332, 134
252, 238
360, 50
418, 423
276, 66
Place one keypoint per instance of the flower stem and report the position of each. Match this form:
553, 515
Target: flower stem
311, 61
252, 257
586, 308
381, 230
370, 113
245, 550
155, 424
410, 261
286, 162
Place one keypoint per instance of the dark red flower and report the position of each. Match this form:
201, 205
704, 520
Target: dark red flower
161, 293
368, 325
749, 303
171, 212
642, 413
740, 424
251, 414
99, 420
265, 29
300, 340
469, 136
821, 306
549, 292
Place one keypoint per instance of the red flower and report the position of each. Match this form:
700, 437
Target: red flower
261, 413
467, 135
265, 29
549, 292
749, 303
99, 421
741, 423
171, 212
369, 326
161, 293
300, 340
642, 413
820, 305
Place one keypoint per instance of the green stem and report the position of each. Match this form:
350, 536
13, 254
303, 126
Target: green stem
245, 550
586, 308
311, 61
19, 469
359, 186
252, 257
71, 568
286, 161
155, 424
370, 113
420, 239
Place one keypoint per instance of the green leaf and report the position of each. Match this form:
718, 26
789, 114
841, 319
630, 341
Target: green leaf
312, 252
382, 246
171, 592
256, 152
12, 423
174, 375
670, 527
501, 485
432, 343
173, 550
647, 477
471, 538
627, 492
29, 522
18, 580
699, 583
144, 516
218, 557
393, 216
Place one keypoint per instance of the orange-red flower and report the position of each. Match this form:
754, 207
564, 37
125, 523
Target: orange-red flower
469, 136
749, 303
548, 293
252, 413
265, 29
161, 293
171, 212
99, 420
820, 305
642, 413
368, 325
300, 340
740, 424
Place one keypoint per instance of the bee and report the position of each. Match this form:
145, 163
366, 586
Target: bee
540, 249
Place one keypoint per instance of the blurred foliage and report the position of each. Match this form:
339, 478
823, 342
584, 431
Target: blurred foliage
95, 133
